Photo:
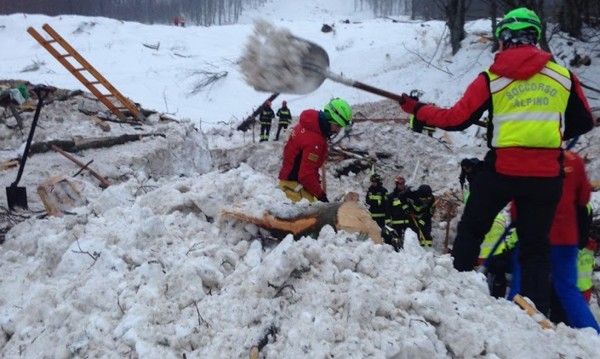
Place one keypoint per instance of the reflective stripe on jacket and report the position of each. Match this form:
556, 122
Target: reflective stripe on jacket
492, 237
266, 115
376, 197
284, 115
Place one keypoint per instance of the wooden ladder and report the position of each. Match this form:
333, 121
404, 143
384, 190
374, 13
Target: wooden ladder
111, 97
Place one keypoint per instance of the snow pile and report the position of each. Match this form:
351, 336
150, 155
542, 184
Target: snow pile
148, 268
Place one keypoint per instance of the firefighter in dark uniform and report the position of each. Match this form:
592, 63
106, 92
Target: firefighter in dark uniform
423, 207
285, 117
376, 197
265, 118
398, 211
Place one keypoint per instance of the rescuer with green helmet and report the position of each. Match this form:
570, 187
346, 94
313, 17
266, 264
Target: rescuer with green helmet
533, 105
306, 150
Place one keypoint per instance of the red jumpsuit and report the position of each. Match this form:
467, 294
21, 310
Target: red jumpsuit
304, 153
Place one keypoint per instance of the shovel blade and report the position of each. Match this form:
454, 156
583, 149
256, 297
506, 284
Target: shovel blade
298, 80
276, 61
16, 197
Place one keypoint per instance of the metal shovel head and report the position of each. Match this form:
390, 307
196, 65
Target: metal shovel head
274, 60
16, 197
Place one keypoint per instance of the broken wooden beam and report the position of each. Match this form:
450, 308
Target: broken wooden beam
533, 312
9, 164
103, 124
104, 183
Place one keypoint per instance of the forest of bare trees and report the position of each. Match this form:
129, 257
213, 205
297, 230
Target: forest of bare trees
205, 12
572, 16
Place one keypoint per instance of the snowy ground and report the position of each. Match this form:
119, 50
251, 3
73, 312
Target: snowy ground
148, 268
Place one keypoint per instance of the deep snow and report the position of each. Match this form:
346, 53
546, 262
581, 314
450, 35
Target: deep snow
148, 268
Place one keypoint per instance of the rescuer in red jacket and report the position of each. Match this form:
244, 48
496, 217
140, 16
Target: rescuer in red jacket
306, 150
568, 304
533, 105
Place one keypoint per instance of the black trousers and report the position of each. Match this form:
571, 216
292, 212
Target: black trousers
535, 199
265, 131
498, 267
279, 127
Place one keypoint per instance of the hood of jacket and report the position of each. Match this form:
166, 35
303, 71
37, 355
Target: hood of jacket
520, 62
309, 119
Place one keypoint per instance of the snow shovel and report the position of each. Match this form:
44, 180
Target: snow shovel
17, 196
274, 60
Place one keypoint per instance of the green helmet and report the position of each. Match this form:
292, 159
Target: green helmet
518, 19
340, 112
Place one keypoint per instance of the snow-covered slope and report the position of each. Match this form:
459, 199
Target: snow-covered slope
149, 268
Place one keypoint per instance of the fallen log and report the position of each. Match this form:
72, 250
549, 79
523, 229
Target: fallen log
85, 144
348, 216
359, 154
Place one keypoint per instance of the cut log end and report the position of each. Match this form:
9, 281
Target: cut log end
348, 216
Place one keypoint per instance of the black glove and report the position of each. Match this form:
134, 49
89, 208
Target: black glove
324, 199
584, 224
416, 124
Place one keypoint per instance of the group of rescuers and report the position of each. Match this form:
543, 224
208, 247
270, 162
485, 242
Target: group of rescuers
267, 115
533, 105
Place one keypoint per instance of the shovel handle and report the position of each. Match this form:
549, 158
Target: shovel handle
359, 85
41, 92
377, 91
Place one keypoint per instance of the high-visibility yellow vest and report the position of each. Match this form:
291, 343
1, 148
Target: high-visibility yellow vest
530, 113
585, 267
490, 239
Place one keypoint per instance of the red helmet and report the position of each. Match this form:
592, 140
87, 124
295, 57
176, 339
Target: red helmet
400, 180
284, 102
267, 103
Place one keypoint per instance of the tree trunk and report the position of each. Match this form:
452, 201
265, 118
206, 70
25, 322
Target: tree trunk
455, 19
572, 19
348, 216
494, 17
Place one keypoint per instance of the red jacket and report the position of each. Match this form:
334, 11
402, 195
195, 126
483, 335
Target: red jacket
518, 63
576, 192
304, 153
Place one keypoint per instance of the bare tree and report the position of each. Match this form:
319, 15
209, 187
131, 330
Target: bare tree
572, 15
455, 11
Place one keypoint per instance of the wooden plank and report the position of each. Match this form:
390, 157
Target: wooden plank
9, 164
103, 124
533, 312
